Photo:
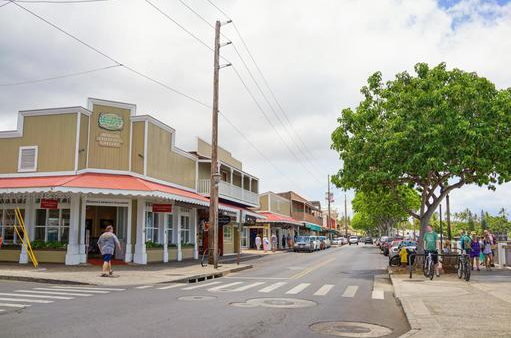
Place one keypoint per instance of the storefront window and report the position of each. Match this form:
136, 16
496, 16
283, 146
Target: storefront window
244, 238
7, 221
185, 229
152, 227
227, 233
170, 229
52, 225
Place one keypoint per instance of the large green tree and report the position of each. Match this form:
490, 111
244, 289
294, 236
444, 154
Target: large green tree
434, 131
379, 209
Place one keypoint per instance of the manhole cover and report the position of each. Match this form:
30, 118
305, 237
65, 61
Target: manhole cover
287, 303
350, 329
196, 298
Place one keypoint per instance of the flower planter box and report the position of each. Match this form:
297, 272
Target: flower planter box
154, 255
50, 255
9, 255
172, 253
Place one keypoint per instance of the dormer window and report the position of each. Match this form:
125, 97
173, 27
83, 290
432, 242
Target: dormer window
27, 160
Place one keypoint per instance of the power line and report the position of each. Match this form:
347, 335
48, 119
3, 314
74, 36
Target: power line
12, 84
263, 78
249, 92
160, 83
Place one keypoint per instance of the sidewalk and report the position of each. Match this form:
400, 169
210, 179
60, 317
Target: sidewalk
130, 274
450, 307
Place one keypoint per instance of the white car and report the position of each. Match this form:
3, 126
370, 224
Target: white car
317, 243
337, 241
353, 240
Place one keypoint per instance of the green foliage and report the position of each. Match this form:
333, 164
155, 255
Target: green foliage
40, 244
150, 245
433, 131
380, 209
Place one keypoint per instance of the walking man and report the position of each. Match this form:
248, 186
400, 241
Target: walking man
107, 243
430, 246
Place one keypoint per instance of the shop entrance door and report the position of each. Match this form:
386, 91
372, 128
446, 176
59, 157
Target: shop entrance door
97, 219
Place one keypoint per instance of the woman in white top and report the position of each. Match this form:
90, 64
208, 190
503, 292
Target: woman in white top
488, 255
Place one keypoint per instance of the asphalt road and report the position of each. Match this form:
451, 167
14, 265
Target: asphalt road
283, 296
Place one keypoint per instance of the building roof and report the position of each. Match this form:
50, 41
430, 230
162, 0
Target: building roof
99, 184
271, 217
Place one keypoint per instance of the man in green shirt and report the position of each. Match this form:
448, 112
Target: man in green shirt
430, 246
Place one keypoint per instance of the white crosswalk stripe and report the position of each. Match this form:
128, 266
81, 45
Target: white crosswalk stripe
56, 293
144, 287
34, 296
272, 287
378, 293
175, 285
87, 288
41, 301
246, 287
201, 286
14, 305
297, 289
324, 290
72, 290
224, 286
350, 291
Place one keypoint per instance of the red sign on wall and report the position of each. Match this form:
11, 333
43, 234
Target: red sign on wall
49, 204
162, 207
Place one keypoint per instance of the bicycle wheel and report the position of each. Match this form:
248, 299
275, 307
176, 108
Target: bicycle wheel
467, 272
394, 261
460, 268
204, 259
425, 267
431, 269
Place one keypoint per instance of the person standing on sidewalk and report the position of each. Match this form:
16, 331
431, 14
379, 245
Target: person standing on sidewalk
107, 243
430, 246
274, 242
475, 252
487, 251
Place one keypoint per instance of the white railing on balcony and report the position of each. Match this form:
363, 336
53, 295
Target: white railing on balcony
230, 191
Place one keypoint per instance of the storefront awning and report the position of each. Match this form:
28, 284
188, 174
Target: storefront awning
312, 226
270, 217
96, 183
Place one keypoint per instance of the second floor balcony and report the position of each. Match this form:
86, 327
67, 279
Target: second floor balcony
230, 191
306, 217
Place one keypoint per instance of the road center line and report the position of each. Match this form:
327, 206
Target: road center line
312, 268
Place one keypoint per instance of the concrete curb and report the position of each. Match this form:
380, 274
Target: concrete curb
42, 280
207, 276
410, 317
189, 279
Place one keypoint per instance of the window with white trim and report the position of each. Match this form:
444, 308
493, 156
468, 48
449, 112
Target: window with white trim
152, 227
170, 230
227, 233
52, 225
7, 221
27, 160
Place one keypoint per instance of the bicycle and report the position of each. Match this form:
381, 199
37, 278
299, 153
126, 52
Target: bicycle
205, 257
428, 266
464, 268
411, 259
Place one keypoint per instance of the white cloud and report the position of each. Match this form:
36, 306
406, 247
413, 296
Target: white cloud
315, 54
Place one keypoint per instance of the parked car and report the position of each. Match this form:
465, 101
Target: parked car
328, 242
353, 240
390, 245
304, 243
368, 240
344, 240
394, 251
317, 243
337, 241
381, 241
386, 245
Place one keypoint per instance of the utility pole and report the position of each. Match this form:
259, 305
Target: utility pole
449, 234
441, 230
329, 200
215, 174
345, 216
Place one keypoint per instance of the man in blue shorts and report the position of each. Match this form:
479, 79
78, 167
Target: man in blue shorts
107, 242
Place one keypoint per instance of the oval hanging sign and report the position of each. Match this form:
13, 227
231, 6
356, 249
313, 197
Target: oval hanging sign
110, 121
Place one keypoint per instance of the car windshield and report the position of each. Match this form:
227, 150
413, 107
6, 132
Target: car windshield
302, 239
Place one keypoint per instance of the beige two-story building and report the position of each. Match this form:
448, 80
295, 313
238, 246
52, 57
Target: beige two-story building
73, 171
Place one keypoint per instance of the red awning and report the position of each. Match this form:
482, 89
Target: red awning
99, 184
276, 218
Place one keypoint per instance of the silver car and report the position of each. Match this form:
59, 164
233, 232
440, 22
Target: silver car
304, 243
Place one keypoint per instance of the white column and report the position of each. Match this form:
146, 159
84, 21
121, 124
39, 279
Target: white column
128, 253
29, 220
73, 248
140, 256
165, 238
179, 252
83, 217
195, 218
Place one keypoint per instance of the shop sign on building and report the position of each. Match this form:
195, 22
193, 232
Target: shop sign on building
109, 140
162, 207
49, 203
110, 121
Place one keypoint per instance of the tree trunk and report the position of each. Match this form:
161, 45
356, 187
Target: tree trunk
424, 221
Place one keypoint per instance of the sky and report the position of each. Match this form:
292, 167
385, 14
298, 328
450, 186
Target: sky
315, 56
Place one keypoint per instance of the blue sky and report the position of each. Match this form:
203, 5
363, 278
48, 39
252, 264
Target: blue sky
450, 3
